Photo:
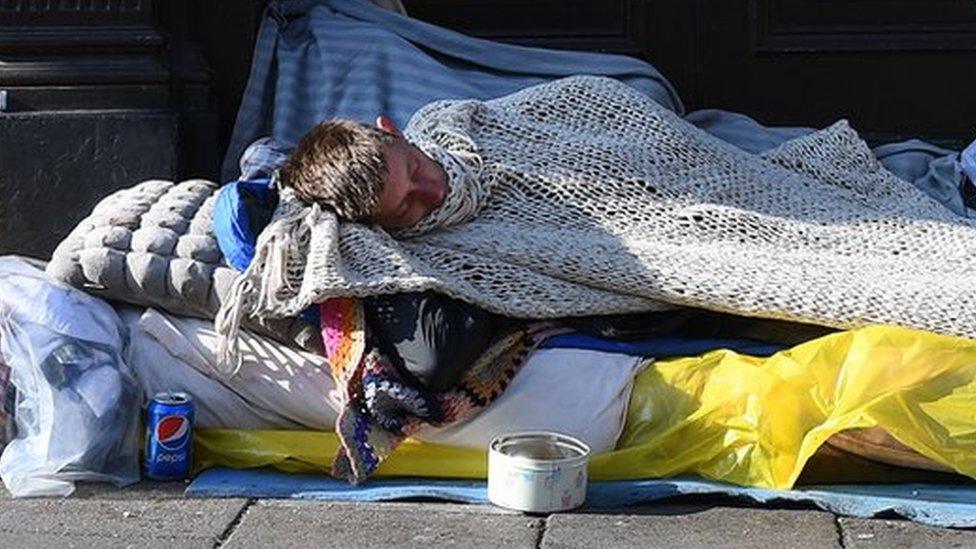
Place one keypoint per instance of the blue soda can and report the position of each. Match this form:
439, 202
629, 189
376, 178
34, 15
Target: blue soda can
169, 436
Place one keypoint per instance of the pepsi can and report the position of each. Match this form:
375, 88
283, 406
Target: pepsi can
169, 436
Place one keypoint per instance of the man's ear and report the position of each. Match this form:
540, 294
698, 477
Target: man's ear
384, 123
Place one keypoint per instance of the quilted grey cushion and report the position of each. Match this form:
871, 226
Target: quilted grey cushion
153, 245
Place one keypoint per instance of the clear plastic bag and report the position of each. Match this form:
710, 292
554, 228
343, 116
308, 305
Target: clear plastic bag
78, 404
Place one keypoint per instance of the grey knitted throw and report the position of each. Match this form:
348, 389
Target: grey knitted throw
584, 197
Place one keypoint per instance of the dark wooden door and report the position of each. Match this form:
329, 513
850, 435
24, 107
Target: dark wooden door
894, 68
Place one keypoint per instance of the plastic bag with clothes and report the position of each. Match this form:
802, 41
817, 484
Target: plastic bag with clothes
78, 405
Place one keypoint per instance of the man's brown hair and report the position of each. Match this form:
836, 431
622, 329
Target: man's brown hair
340, 164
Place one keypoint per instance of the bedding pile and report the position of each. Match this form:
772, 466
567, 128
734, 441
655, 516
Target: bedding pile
747, 420
578, 197
583, 197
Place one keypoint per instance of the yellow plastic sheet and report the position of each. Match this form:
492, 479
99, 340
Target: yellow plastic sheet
725, 416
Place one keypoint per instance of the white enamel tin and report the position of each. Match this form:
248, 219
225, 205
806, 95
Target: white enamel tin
537, 472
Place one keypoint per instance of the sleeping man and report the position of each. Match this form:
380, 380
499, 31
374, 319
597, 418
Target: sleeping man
374, 175
366, 174
582, 197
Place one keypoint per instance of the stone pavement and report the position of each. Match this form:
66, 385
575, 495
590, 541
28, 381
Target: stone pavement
152, 515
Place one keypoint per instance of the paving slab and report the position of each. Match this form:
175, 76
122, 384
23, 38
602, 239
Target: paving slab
873, 533
296, 524
143, 523
150, 514
715, 527
145, 489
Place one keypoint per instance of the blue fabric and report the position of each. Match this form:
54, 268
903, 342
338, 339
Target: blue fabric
238, 222
933, 504
262, 158
659, 346
934, 170
969, 161
320, 59
743, 131
232, 225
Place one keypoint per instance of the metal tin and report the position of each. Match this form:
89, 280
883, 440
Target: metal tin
537, 472
169, 436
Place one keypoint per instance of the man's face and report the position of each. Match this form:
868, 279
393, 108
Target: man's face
415, 185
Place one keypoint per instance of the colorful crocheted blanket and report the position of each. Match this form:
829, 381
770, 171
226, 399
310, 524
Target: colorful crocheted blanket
381, 408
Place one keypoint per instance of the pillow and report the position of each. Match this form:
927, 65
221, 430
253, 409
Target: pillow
153, 245
572, 391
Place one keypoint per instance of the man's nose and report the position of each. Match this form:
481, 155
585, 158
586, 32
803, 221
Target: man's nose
431, 192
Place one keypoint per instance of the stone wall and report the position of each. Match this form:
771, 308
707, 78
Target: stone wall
97, 95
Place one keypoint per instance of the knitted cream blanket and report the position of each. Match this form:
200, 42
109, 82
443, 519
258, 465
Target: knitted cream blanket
583, 196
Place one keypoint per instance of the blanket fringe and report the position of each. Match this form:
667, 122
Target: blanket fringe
261, 286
